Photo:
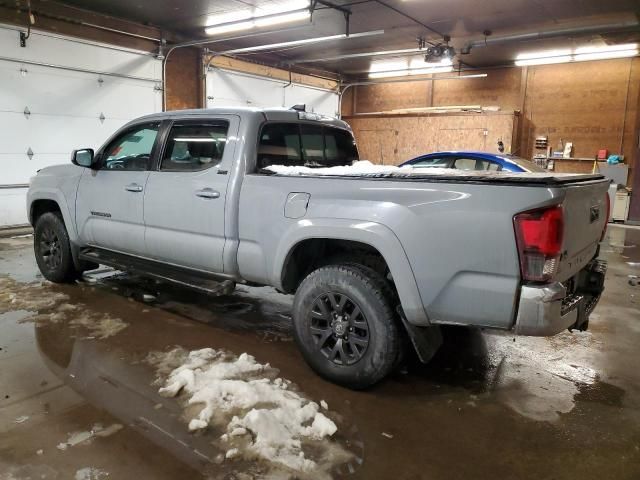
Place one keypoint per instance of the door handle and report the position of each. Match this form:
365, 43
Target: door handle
207, 193
133, 187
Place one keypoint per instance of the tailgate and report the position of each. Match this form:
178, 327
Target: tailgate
585, 217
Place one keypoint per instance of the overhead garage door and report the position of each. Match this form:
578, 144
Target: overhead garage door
228, 88
57, 94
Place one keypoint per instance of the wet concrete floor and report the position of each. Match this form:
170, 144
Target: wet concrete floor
78, 400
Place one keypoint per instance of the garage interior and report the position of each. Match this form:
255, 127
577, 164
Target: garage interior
554, 82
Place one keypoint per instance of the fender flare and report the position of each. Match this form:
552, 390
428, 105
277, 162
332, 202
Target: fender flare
373, 234
55, 196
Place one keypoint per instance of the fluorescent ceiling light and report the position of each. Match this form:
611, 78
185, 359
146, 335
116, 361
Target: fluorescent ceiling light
602, 53
414, 66
543, 60
410, 71
304, 41
580, 54
270, 14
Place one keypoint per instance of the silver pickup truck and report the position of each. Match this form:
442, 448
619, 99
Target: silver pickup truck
377, 262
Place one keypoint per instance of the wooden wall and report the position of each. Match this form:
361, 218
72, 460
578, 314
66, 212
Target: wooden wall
392, 139
592, 104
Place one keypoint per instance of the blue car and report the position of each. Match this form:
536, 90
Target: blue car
474, 161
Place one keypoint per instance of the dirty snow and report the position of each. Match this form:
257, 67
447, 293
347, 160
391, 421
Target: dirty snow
261, 414
100, 326
90, 473
46, 306
97, 430
365, 167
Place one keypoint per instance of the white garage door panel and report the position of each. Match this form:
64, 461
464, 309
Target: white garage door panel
43, 48
13, 210
51, 91
316, 100
52, 133
18, 169
226, 88
65, 105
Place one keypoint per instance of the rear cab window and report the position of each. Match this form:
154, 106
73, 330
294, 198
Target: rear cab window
305, 145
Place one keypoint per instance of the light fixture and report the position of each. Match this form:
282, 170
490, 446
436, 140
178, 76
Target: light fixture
304, 41
415, 66
268, 15
541, 58
580, 54
603, 53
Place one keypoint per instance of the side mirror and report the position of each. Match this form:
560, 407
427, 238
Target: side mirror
83, 157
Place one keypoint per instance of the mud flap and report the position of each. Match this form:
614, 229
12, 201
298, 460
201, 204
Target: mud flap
425, 340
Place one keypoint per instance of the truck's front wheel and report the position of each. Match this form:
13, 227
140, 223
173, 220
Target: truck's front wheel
345, 325
52, 249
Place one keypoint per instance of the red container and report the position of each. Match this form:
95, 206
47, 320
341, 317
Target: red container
603, 154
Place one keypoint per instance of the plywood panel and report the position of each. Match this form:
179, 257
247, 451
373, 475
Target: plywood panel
572, 166
392, 96
462, 139
583, 103
378, 146
420, 134
184, 79
500, 87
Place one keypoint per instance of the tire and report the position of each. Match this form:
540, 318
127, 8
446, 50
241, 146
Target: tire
53, 249
373, 266
345, 326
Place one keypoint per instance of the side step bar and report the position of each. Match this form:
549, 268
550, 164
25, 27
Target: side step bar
201, 281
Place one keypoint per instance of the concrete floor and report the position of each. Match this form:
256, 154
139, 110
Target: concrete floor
77, 399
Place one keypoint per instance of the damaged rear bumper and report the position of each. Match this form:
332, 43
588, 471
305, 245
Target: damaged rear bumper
549, 309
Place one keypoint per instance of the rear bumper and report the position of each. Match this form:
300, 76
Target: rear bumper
549, 309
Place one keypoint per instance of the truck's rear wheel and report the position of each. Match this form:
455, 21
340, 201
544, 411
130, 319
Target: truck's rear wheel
52, 249
345, 325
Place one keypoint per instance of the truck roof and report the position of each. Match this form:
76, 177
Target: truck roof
271, 114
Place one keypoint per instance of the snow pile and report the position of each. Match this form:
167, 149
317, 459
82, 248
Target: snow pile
365, 167
362, 167
269, 419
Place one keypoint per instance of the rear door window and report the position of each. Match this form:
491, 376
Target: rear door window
192, 147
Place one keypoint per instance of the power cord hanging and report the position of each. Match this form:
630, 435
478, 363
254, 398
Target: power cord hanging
30, 21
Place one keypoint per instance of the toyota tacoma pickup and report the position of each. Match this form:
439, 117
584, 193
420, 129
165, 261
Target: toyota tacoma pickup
377, 261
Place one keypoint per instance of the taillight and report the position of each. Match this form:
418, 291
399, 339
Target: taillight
606, 220
539, 235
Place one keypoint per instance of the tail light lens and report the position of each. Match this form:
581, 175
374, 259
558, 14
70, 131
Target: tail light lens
606, 220
539, 235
